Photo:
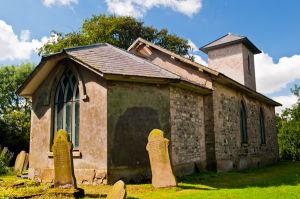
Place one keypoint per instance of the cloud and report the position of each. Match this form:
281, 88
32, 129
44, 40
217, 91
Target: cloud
50, 3
272, 77
138, 8
286, 101
14, 47
195, 49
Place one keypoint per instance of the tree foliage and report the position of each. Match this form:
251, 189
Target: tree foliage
14, 110
289, 130
118, 31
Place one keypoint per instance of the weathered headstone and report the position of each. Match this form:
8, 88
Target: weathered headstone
118, 191
26, 162
157, 147
63, 165
19, 163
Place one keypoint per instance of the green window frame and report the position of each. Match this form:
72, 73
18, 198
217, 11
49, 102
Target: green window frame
262, 129
243, 123
66, 109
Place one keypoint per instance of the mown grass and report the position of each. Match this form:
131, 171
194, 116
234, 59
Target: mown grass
277, 181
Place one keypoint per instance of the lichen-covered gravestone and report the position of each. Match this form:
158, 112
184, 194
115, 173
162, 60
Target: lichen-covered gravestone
157, 147
19, 163
63, 165
118, 191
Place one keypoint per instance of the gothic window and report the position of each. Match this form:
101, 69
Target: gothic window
243, 123
66, 113
262, 127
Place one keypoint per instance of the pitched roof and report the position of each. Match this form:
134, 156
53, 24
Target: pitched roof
182, 59
112, 60
230, 39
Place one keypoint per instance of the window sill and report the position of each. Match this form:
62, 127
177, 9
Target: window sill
245, 144
76, 154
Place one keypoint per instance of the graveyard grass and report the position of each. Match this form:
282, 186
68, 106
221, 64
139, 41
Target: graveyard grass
277, 181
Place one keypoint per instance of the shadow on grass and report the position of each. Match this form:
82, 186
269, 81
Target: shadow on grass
282, 173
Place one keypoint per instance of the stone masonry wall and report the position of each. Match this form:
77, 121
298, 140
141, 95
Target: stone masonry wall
187, 130
230, 153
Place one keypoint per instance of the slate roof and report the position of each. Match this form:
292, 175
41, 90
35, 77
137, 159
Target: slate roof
230, 39
112, 60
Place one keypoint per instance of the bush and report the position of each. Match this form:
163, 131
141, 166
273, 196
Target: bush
5, 158
289, 130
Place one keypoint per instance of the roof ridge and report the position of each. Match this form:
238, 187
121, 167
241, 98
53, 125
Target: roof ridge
139, 59
84, 47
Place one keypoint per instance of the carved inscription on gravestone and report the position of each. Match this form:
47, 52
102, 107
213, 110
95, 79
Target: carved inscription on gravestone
157, 147
63, 166
118, 191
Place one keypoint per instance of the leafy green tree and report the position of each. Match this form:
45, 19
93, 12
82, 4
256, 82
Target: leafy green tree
14, 110
118, 31
289, 130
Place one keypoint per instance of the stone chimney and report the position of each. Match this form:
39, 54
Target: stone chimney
233, 56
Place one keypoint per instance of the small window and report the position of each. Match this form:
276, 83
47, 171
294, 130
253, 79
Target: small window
66, 110
249, 64
243, 124
262, 127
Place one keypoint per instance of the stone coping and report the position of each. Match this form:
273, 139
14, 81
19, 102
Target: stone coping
76, 154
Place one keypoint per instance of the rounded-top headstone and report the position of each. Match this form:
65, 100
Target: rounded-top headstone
118, 191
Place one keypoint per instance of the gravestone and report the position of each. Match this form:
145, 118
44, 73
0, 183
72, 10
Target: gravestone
26, 162
157, 147
118, 191
63, 165
19, 163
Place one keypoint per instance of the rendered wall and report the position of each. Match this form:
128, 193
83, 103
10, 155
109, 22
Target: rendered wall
134, 109
91, 165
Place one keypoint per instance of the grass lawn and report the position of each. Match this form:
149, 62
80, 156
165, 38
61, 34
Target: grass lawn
278, 181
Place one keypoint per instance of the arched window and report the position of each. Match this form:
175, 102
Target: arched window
66, 113
243, 123
262, 127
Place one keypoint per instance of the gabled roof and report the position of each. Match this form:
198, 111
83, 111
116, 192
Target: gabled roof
180, 58
215, 74
104, 59
230, 39
112, 60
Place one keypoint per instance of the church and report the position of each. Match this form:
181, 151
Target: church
109, 99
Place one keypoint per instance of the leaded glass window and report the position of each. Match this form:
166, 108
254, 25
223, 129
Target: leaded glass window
262, 127
67, 107
243, 124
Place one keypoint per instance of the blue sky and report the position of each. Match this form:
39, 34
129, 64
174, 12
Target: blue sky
272, 25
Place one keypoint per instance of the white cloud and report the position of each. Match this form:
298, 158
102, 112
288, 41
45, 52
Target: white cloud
138, 8
193, 46
14, 47
195, 49
50, 3
286, 101
272, 77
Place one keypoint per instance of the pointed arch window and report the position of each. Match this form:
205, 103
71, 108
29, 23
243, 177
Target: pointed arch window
66, 113
243, 123
262, 127
249, 64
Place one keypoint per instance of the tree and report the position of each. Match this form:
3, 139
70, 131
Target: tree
118, 31
14, 110
289, 130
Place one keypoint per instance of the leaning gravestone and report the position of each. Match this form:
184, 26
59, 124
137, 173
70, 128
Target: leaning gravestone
157, 147
19, 163
118, 191
63, 167
26, 162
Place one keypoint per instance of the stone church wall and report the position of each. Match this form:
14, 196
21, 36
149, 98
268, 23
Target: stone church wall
230, 153
90, 160
187, 130
134, 109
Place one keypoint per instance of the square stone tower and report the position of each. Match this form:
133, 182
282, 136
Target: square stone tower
233, 56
